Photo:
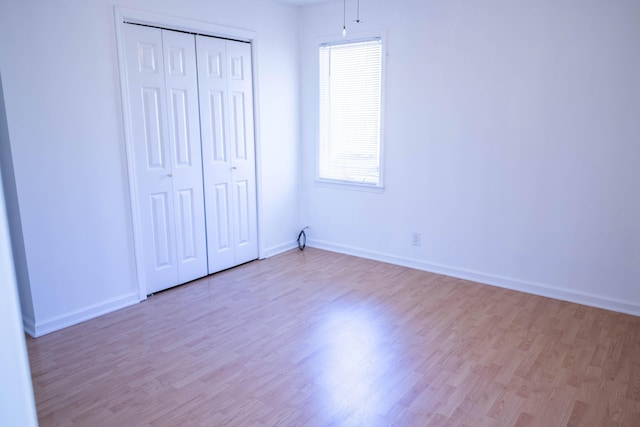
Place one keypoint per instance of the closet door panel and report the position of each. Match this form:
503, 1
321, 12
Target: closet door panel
217, 143
222, 236
181, 80
217, 163
152, 157
153, 137
243, 209
161, 229
243, 147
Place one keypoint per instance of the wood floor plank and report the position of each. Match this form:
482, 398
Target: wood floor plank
320, 339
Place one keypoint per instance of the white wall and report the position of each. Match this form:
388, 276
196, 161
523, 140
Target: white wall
512, 144
13, 216
17, 406
62, 94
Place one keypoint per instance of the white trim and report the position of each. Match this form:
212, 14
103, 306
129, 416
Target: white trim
77, 316
380, 33
126, 15
258, 147
539, 289
29, 325
128, 129
329, 183
280, 249
181, 24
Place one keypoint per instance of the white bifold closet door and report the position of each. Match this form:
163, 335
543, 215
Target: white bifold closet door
193, 178
163, 95
228, 151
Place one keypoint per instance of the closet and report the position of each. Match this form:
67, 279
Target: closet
192, 172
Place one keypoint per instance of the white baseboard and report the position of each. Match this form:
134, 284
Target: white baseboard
29, 325
277, 250
598, 301
39, 328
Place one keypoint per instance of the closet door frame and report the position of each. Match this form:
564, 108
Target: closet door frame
133, 16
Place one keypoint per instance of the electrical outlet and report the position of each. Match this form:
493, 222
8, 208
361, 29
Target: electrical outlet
415, 238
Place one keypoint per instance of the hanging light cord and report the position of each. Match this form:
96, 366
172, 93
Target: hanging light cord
344, 18
358, 13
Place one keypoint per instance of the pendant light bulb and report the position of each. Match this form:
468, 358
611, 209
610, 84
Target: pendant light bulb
344, 31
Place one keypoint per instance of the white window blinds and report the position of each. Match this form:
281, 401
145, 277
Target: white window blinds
350, 101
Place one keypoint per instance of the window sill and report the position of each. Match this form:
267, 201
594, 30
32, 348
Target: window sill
344, 185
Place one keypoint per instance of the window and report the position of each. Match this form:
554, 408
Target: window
350, 112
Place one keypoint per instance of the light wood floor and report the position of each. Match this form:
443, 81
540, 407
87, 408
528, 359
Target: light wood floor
316, 338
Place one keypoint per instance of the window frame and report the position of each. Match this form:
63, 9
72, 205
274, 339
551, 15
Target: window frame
338, 40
